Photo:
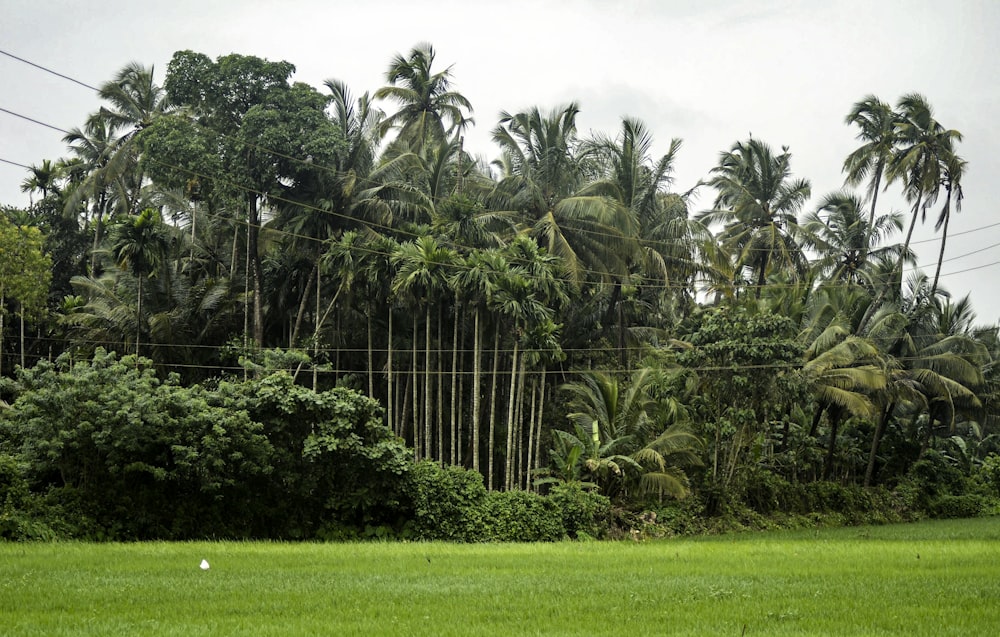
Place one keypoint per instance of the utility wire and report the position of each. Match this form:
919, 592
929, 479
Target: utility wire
48, 70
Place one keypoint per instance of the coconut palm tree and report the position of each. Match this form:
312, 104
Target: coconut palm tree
544, 179
847, 242
922, 157
104, 184
758, 201
429, 110
877, 123
954, 169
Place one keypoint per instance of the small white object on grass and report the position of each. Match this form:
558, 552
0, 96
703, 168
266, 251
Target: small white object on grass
204, 565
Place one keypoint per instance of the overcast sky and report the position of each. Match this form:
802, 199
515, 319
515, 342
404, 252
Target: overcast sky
709, 72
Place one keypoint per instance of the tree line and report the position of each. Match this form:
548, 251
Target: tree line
558, 315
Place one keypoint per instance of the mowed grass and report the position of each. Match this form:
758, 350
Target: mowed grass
932, 578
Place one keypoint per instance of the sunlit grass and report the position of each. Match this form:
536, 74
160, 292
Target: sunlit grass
934, 578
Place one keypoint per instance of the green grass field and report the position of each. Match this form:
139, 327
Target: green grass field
932, 578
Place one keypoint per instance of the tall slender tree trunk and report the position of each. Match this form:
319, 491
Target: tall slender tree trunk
541, 411
23, 359
303, 302
319, 324
896, 271
512, 397
138, 314
883, 423
388, 373
493, 407
476, 388
531, 436
835, 418
2, 301
439, 369
944, 241
253, 236
879, 169
453, 456
428, 424
417, 451
371, 356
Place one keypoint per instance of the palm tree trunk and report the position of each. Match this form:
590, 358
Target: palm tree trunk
138, 314
416, 404
493, 407
303, 301
509, 467
371, 356
428, 431
879, 169
531, 436
388, 372
883, 423
318, 325
453, 457
23, 361
2, 301
476, 389
944, 240
439, 368
538, 434
253, 236
835, 418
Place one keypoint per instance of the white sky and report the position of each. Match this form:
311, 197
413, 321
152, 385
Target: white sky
708, 72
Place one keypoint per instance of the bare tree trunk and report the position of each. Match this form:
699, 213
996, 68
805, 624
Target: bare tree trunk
439, 367
417, 452
476, 389
428, 398
493, 407
883, 423
511, 399
453, 457
253, 237
23, 360
388, 372
538, 434
371, 356
531, 436
2, 301
303, 302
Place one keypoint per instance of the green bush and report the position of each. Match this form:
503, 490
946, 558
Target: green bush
988, 474
444, 502
957, 506
519, 516
584, 513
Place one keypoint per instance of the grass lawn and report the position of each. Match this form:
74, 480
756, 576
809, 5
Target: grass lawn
932, 578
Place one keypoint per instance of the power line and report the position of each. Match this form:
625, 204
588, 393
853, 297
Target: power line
14, 163
48, 70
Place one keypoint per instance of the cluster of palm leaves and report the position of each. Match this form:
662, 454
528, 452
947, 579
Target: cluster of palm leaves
231, 211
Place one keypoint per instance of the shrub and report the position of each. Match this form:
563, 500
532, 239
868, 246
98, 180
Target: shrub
520, 516
443, 502
958, 506
584, 512
988, 474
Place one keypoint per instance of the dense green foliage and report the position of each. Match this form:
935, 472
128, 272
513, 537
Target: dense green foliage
552, 328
